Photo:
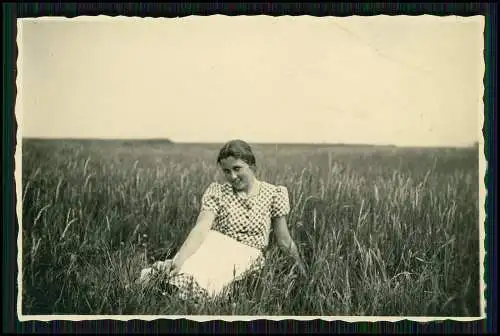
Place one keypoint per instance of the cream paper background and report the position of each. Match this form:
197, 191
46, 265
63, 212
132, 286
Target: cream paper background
258, 25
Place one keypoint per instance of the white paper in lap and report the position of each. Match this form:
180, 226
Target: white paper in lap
218, 261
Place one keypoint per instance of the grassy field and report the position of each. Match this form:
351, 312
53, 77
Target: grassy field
397, 232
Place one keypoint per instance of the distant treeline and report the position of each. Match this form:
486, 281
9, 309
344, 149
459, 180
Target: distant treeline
160, 141
166, 141
125, 142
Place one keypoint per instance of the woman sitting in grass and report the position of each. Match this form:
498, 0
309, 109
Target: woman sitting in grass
232, 229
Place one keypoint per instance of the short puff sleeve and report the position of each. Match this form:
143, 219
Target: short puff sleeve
210, 201
280, 205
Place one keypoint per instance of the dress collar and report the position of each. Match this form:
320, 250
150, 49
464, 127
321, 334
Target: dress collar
258, 187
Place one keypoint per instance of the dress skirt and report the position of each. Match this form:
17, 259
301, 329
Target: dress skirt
218, 262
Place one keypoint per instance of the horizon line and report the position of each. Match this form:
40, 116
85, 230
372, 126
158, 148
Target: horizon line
173, 142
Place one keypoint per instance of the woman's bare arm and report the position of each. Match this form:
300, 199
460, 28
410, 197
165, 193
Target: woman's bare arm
195, 238
286, 242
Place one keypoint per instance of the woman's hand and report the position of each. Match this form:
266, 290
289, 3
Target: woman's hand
287, 244
302, 269
168, 266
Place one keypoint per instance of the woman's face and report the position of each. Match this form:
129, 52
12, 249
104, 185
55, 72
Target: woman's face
237, 172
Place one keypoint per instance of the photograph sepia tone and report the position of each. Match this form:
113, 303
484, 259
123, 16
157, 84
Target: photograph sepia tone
251, 167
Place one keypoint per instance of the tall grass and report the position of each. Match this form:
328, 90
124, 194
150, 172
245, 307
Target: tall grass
395, 231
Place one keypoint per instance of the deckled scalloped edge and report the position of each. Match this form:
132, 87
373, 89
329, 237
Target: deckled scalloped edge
204, 318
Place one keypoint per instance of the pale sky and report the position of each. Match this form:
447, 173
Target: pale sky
379, 80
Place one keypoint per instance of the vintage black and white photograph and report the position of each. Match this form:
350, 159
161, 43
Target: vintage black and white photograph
251, 166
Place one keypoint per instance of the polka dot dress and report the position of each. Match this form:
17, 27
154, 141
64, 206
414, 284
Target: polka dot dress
248, 220
241, 230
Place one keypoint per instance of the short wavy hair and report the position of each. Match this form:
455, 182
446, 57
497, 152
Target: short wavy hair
238, 149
